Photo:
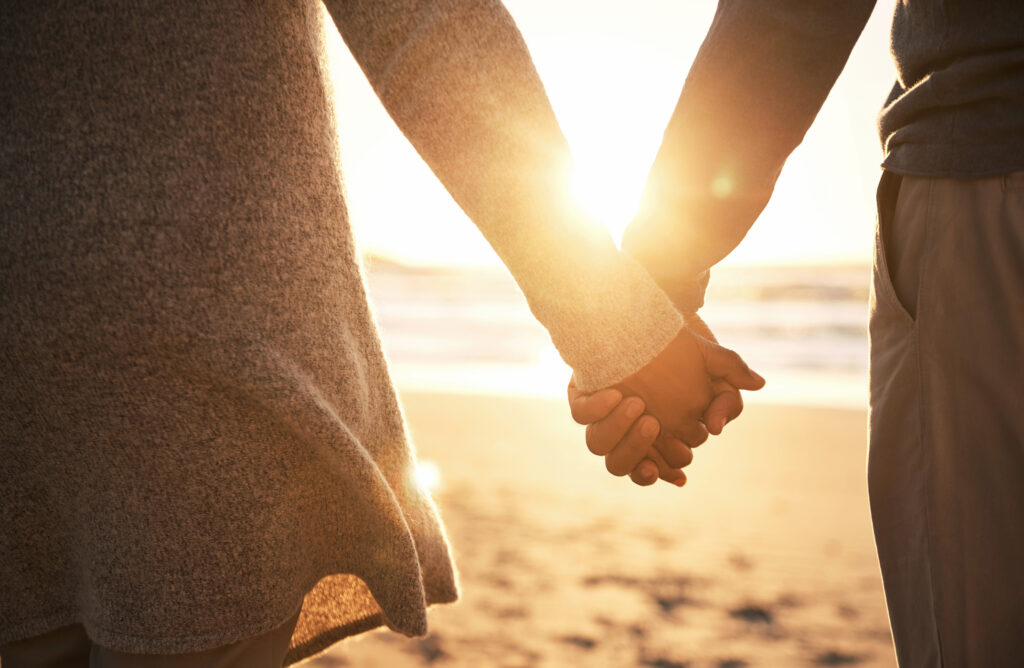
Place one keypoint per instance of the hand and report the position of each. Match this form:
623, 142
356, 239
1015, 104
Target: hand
677, 385
616, 431
612, 433
727, 403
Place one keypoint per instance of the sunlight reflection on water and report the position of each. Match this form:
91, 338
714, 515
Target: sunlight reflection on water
469, 331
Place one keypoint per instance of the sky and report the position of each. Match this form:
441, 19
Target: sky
613, 72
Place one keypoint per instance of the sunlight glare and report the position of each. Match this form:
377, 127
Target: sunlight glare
722, 186
428, 475
602, 193
552, 370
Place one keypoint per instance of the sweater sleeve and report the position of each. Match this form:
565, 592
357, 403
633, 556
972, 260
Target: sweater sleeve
759, 79
456, 77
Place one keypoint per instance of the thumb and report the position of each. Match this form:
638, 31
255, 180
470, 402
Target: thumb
725, 407
726, 364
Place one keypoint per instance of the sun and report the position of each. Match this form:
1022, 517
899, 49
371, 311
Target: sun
605, 191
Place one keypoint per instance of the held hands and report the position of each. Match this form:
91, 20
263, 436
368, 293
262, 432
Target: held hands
689, 390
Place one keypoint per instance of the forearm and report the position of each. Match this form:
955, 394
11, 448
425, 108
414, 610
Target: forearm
759, 79
458, 80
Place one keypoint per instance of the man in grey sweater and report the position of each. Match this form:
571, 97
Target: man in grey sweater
946, 458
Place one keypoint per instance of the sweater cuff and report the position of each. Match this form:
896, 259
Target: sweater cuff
605, 314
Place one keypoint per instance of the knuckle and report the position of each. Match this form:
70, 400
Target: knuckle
646, 431
616, 467
677, 425
679, 456
578, 412
622, 415
642, 480
593, 440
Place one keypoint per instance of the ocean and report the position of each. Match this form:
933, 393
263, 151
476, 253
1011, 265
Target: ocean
468, 330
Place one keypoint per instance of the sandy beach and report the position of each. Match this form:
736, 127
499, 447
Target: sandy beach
765, 558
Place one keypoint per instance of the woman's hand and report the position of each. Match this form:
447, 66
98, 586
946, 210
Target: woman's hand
689, 390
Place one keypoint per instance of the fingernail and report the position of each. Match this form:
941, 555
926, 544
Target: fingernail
649, 428
634, 409
680, 481
614, 397
721, 424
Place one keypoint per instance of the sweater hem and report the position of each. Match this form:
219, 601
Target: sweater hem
327, 639
954, 161
38, 626
200, 642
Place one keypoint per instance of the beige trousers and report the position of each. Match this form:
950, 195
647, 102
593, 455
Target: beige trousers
946, 458
70, 647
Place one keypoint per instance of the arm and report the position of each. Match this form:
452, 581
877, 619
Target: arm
615, 428
759, 79
458, 80
756, 85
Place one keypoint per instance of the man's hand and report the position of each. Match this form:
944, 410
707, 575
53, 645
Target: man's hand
727, 403
675, 388
692, 388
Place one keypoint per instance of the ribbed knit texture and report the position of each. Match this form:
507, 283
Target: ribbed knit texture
199, 433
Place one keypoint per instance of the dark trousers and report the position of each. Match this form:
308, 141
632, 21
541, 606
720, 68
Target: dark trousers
946, 458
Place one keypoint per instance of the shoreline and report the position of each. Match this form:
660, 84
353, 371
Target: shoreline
832, 390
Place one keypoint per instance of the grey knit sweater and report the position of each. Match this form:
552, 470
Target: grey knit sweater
198, 433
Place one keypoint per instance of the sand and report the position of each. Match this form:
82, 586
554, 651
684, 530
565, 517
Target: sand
765, 558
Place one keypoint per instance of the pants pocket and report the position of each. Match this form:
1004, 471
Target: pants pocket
899, 242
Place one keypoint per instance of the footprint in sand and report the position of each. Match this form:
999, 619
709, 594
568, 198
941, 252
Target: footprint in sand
429, 649
580, 641
664, 663
732, 663
834, 658
753, 614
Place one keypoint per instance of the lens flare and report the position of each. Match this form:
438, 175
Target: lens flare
428, 475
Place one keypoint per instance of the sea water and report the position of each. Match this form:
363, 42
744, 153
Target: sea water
469, 330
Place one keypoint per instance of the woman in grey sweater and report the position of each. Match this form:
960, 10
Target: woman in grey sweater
200, 436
